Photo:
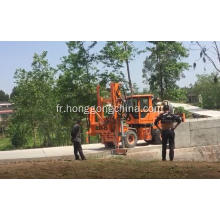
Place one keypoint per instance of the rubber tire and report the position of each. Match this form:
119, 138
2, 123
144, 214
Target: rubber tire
127, 143
156, 137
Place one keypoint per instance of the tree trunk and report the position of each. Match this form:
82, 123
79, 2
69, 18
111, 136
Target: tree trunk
161, 86
35, 136
128, 72
161, 80
129, 77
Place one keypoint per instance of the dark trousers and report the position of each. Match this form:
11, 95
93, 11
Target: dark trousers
78, 149
168, 135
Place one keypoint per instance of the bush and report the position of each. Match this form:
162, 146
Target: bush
181, 110
18, 140
18, 136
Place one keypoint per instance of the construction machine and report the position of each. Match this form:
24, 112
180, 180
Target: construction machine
131, 119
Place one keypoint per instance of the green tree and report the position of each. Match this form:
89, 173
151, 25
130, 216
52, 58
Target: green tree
209, 90
35, 103
163, 66
116, 55
76, 85
177, 94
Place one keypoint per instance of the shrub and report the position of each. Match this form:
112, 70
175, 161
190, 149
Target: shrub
18, 136
181, 110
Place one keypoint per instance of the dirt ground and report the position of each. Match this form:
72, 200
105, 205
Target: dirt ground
119, 168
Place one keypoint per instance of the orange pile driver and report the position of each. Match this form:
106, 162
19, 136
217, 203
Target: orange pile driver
132, 119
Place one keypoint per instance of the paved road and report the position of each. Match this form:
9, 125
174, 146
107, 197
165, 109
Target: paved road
198, 110
47, 152
88, 149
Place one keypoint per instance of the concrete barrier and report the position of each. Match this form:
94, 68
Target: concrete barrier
198, 132
199, 153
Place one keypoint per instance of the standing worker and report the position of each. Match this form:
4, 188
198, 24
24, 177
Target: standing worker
76, 139
167, 131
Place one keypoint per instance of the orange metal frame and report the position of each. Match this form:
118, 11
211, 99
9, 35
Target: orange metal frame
109, 127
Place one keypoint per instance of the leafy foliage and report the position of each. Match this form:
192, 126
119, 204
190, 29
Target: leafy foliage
19, 135
34, 102
176, 94
163, 67
116, 55
209, 88
77, 84
181, 110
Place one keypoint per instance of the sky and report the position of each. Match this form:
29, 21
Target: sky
19, 54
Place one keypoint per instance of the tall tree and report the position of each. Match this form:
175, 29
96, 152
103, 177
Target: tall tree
163, 66
35, 101
77, 83
117, 55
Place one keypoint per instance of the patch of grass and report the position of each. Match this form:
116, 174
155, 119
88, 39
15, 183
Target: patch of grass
5, 144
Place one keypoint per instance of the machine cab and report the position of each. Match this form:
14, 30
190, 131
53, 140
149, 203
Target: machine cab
139, 107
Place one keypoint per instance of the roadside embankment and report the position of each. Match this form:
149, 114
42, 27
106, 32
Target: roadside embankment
198, 132
201, 153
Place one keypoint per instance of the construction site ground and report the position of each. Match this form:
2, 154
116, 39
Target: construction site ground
143, 161
120, 168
